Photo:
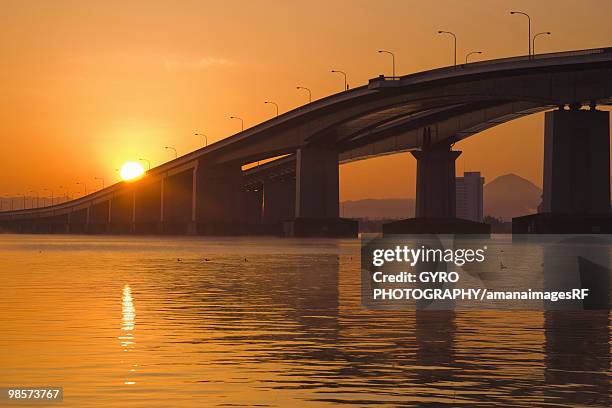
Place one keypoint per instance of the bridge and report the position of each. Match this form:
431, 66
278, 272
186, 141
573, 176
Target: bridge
211, 190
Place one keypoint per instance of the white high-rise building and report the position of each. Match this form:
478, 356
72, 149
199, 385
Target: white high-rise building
469, 200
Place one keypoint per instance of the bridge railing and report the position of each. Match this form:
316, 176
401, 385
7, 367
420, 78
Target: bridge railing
560, 54
75, 202
44, 209
384, 81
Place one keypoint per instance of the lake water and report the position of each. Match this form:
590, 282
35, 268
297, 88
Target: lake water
181, 322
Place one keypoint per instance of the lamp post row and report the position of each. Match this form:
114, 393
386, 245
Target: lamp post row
36, 198
393, 73
531, 53
530, 39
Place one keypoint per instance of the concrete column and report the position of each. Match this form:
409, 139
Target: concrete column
192, 228
577, 162
133, 219
110, 212
88, 219
178, 202
79, 220
121, 212
161, 200
109, 218
254, 204
160, 220
317, 209
147, 206
435, 192
278, 201
316, 183
98, 218
219, 199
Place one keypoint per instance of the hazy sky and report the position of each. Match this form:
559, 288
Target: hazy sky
87, 85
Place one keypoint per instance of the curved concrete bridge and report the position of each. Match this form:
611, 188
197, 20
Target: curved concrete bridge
208, 192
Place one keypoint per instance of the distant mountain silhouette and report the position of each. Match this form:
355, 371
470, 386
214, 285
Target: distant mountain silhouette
505, 197
396, 208
511, 196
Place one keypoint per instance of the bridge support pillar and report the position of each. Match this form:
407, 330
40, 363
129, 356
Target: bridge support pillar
435, 190
219, 200
160, 225
576, 193
317, 196
121, 212
88, 219
316, 183
98, 218
436, 197
577, 162
79, 220
148, 207
279, 201
177, 200
254, 204
133, 217
68, 220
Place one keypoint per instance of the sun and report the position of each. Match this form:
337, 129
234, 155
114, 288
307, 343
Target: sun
131, 170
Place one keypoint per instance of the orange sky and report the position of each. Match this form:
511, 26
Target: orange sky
88, 85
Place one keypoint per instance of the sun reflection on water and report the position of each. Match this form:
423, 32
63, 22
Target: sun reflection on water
128, 313
128, 321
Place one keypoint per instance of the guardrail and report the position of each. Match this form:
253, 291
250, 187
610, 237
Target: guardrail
482, 66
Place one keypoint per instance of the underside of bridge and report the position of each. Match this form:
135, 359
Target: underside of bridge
208, 192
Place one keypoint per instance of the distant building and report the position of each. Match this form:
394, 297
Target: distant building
469, 196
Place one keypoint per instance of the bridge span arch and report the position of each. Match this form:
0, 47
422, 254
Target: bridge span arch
206, 191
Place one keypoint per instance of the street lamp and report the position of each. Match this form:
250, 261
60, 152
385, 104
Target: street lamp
273, 103
392, 59
529, 26
148, 163
67, 197
534, 38
101, 179
455, 41
204, 136
51, 191
172, 148
471, 53
84, 187
306, 89
346, 87
241, 122
37, 198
